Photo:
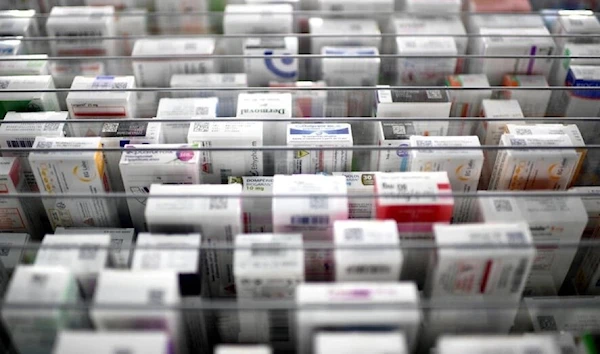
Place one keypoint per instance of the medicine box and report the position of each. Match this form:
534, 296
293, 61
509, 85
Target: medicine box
22, 23
373, 342
121, 241
419, 71
27, 101
534, 169
314, 161
433, 6
38, 286
361, 68
261, 71
92, 342
575, 316
362, 185
393, 135
258, 19
463, 166
307, 103
242, 349
186, 56
63, 72
466, 103
11, 47
257, 208
533, 103
144, 165
402, 315
572, 23
14, 251
183, 109
482, 344
32, 65
85, 255
193, 22
218, 166
265, 106
561, 67
366, 250
73, 171
552, 220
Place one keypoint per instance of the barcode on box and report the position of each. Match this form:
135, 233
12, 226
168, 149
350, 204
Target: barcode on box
399, 129
156, 296
217, 203
310, 220
191, 46
87, 253
434, 94
368, 269
23, 143
547, 323
503, 205
523, 131
424, 143
518, 142
110, 127
201, 127
4, 249
354, 234
151, 260
515, 237
201, 111
4, 84
267, 249
318, 202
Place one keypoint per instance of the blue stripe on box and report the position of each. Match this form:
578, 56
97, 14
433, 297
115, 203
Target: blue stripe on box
588, 94
329, 132
350, 52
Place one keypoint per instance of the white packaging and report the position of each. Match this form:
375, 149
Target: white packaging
463, 166
217, 218
419, 71
362, 185
476, 22
573, 23
17, 215
561, 67
261, 71
577, 315
23, 135
392, 135
307, 103
27, 101
139, 288
33, 330
116, 135
14, 252
21, 23
73, 171
381, 261
537, 43
141, 166
360, 69
432, 6
242, 349
314, 161
85, 255
218, 166
403, 313
266, 106
34, 65
360, 342
559, 220
78, 22
64, 71
356, 6
130, 23
533, 103
466, 103
310, 213
102, 102
92, 342
182, 17
258, 216
184, 108
121, 241
257, 19
11, 47
506, 344
208, 85
499, 271
534, 169
157, 72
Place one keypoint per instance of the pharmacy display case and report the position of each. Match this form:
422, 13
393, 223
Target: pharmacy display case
299, 176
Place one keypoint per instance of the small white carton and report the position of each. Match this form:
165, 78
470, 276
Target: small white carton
121, 241
256, 18
53, 286
261, 71
561, 67
307, 103
498, 270
11, 47
182, 109
242, 349
533, 103
383, 262
553, 220
577, 315
314, 161
507, 344
466, 103
92, 342
73, 171
362, 185
394, 135
258, 215
190, 23
360, 69
402, 315
139, 288
534, 169
299, 205
21, 23
27, 101
573, 23
389, 342
218, 166
34, 65
12, 255
157, 72
266, 106
463, 166
143, 165
102, 103
418, 71
218, 218
85, 255
433, 6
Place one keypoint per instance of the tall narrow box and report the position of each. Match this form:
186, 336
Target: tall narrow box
466, 103
256, 204
533, 103
12, 257
184, 109
361, 184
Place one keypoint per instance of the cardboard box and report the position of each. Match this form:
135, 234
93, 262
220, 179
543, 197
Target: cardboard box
266, 106
482, 344
307, 103
157, 72
310, 214
360, 69
73, 171
218, 166
22, 23
466, 103
50, 286
92, 342
12, 256
576, 316
315, 161
261, 71
402, 315
573, 23
392, 134
463, 166
561, 67
534, 169
121, 241
183, 109
380, 264
141, 166
551, 220
217, 218
419, 71
372, 342
258, 212
533, 103
85, 255
27, 101
34, 65
359, 183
